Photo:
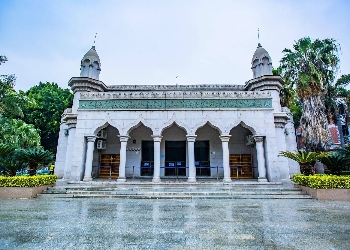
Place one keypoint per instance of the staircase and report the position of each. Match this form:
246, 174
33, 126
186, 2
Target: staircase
171, 191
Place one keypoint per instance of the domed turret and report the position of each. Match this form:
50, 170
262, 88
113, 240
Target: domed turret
90, 65
261, 62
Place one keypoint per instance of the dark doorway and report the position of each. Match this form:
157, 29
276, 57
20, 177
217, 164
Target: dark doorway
201, 156
147, 159
175, 158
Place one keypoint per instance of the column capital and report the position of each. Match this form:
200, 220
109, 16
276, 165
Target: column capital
91, 138
72, 123
157, 138
225, 138
258, 138
124, 138
191, 138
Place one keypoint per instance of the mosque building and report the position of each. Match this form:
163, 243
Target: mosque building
224, 132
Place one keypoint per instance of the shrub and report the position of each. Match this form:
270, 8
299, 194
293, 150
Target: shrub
27, 181
335, 162
321, 181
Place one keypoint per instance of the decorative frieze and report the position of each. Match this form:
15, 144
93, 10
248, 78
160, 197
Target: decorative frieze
176, 95
175, 104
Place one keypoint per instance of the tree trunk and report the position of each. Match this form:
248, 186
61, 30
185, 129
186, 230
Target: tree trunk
315, 134
32, 169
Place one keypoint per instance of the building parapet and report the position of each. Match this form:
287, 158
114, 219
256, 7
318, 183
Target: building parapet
201, 87
139, 95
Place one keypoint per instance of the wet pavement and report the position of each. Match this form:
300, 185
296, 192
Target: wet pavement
173, 224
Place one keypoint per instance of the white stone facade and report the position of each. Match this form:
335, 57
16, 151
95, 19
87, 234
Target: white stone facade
219, 116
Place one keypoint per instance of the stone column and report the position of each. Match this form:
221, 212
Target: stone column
280, 122
226, 157
261, 158
69, 154
156, 168
123, 141
191, 167
89, 157
70, 146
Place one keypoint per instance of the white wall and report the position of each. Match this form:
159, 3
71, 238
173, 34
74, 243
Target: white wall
61, 151
206, 133
133, 158
89, 122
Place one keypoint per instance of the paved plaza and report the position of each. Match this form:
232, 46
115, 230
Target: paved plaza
173, 224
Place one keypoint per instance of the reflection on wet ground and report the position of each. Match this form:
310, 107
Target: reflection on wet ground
174, 224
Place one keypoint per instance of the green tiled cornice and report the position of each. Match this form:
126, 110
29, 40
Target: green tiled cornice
174, 104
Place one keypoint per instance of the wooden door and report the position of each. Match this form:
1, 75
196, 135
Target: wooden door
109, 166
243, 163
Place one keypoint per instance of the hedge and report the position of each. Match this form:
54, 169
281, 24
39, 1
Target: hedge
27, 181
342, 172
322, 181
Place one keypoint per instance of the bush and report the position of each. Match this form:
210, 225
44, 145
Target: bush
342, 172
27, 181
321, 181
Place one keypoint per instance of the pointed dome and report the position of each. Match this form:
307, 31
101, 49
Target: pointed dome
259, 52
261, 62
90, 64
92, 53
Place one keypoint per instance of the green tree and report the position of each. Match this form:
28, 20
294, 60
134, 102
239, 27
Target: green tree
18, 134
311, 67
51, 101
11, 102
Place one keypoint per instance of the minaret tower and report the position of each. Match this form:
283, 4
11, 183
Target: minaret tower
261, 62
90, 65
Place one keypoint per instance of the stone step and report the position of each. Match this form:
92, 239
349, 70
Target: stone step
169, 193
174, 189
187, 196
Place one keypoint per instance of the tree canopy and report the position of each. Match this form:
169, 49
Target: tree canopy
51, 101
17, 133
311, 67
11, 102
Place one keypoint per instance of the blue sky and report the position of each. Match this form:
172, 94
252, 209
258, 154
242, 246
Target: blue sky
152, 42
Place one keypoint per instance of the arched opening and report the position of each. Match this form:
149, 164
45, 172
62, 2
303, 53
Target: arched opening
242, 153
84, 71
266, 66
173, 151
255, 67
95, 70
207, 151
106, 158
140, 152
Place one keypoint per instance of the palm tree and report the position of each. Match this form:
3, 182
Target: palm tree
34, 157
305, 159
12, 163
311, 67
